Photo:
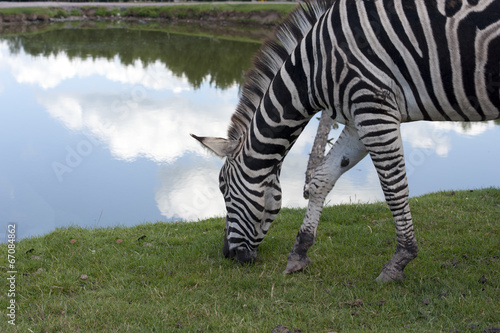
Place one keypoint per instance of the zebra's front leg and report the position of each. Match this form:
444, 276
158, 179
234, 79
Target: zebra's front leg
345, 153
382, 138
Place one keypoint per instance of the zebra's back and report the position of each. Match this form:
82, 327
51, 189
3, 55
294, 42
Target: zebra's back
437, 60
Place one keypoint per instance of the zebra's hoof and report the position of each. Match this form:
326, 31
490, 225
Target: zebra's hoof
296, 263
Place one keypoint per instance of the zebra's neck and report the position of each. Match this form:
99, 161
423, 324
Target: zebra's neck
270, 59
284, 111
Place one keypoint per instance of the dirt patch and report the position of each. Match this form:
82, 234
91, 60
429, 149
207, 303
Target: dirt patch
284, 329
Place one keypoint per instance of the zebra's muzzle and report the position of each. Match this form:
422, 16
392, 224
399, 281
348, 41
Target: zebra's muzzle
241, 254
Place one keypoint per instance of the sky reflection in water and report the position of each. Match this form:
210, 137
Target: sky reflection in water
99, 140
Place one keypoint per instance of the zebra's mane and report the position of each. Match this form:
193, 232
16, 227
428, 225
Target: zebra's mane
270, 58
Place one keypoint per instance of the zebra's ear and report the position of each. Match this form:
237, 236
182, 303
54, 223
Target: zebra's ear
221, 147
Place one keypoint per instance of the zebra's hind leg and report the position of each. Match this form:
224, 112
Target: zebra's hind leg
345, 153
381, 136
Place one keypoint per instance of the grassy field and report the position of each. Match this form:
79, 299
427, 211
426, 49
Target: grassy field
171, 277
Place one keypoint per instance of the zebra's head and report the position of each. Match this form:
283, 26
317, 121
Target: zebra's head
252, 199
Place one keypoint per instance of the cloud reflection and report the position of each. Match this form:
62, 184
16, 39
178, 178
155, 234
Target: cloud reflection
190, 191
51, 71
436, 136
155, 128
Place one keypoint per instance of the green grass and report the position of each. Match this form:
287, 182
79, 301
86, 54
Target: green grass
75, 12
24, 10
171, 277
46, 11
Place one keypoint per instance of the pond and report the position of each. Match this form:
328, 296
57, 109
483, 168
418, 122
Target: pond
95, 123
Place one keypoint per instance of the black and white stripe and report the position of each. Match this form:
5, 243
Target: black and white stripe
372, 64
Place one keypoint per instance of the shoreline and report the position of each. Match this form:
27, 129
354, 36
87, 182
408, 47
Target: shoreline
244, 13
9, 4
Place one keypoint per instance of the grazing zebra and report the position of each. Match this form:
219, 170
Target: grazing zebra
371, 64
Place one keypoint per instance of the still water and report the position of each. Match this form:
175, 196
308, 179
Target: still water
95, 123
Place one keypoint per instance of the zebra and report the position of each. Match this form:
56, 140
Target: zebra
372, 65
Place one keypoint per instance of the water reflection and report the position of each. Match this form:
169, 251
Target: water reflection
189, 189
222, 62
94, 125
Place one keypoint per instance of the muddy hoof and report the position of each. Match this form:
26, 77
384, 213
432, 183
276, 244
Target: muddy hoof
386, 277
296, 263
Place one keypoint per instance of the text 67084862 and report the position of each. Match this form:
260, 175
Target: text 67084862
11, 273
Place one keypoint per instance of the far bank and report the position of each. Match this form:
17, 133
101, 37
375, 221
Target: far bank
252, 14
